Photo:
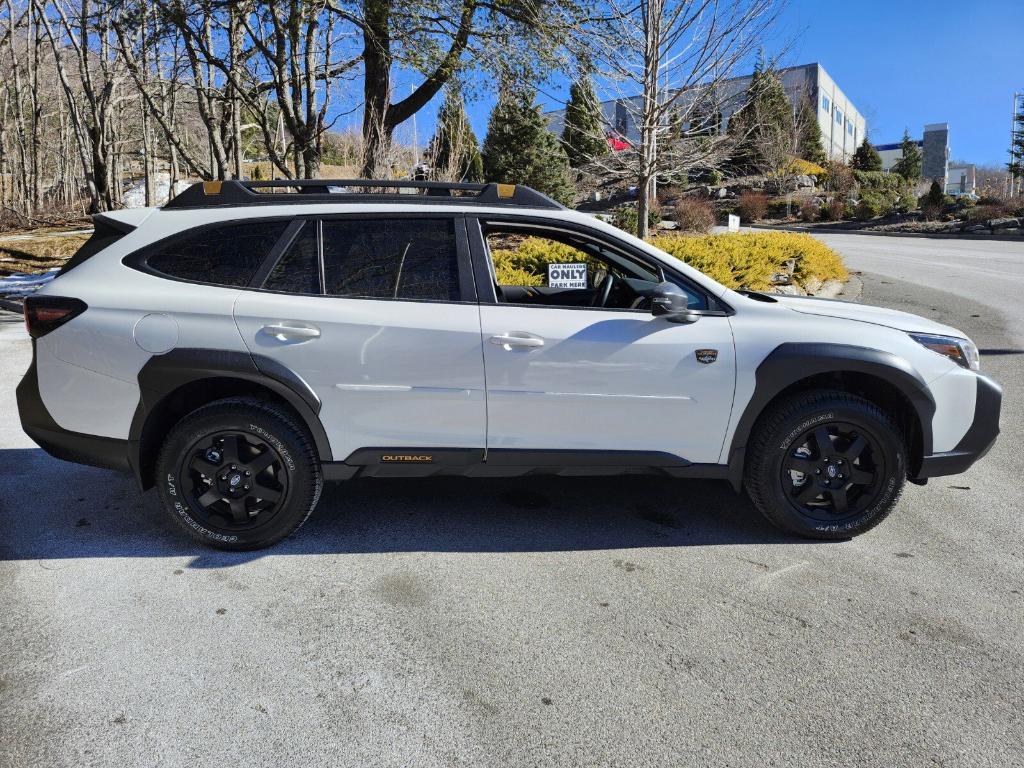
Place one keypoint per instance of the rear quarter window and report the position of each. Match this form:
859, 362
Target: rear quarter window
228, 254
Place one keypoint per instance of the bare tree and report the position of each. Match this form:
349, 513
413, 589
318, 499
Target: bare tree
671, 62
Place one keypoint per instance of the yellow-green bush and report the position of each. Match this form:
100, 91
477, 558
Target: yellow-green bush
527, 264
735, 260
750, 260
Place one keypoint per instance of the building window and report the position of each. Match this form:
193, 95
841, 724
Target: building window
849, 127
839, 116
825, 103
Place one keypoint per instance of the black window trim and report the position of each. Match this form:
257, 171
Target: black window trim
139, 259
483, 268
467, 283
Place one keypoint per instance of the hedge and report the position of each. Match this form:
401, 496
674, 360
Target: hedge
735, 260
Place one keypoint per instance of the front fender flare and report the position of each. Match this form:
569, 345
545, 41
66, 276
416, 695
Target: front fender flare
792, 362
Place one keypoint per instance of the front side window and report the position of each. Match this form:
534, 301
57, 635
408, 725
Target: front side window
839, 117
825, 104
535, 266
225, 255
391, 258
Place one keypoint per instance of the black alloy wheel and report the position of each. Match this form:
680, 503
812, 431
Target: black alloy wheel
832, 471
234, 481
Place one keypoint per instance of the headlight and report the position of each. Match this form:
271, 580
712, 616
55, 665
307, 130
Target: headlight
960, 351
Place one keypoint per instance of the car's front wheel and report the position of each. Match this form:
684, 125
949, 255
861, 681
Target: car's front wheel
825, 464
239, 473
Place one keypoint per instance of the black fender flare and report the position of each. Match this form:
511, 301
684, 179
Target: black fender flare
792, 362
162, 375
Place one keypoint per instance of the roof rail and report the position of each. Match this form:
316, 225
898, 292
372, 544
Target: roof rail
217, 194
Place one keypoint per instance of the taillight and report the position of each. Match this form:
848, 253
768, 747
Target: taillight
46, 313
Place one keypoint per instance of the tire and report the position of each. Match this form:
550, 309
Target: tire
239, 474
825, 465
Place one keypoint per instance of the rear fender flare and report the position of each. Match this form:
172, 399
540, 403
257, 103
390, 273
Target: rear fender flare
163, 375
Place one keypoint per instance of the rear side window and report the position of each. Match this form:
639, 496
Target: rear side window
225, 255
395, 259
298, 269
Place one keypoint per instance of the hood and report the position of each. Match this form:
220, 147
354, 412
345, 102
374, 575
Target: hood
865, 313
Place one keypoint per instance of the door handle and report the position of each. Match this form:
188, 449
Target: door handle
509, 340
283, 332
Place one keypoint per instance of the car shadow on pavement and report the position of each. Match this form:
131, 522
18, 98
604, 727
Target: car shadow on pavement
51, 509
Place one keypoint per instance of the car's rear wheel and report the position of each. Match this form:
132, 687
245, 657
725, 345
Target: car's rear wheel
238, 474
826, 465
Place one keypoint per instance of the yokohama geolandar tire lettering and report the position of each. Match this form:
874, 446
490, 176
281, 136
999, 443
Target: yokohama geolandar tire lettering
239, 473
825, 464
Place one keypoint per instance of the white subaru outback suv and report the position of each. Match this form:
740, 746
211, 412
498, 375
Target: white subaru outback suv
248, 341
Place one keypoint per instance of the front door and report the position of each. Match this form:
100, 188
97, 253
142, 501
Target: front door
378, 316
583, 365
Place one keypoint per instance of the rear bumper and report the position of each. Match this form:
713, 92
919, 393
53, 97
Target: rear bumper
978, 440
61, 443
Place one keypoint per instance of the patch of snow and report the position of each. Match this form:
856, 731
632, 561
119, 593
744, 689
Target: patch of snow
135, 195
21, 284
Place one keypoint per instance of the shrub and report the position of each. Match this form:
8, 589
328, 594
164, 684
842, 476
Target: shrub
810, 211
871, 206
750, 260
838, 178
777, 209
803, 167
625, 217
714, 178
694, 215
982, 213
878, 180
907, 201
833, 210
526, 262
752, 206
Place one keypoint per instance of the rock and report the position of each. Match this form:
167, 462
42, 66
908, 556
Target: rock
972, 228
1007, 223
829, 289
781, 278
721, 193
812, 286
666, 224
789, 290
804, 180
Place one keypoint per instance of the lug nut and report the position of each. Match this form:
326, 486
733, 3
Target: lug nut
247, 473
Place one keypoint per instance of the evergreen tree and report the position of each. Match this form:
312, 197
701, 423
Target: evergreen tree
583, 135
454, 151
909, 166
866, 158
763, 127
809, 145
519, 148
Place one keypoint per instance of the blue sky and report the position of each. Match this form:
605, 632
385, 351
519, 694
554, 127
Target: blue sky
903, 63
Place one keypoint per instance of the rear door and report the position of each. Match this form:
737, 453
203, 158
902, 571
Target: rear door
379, 316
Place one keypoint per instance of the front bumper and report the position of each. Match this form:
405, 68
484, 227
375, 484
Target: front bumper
977, 441
61, 443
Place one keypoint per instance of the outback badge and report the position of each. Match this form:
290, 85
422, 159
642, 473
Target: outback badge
706, 356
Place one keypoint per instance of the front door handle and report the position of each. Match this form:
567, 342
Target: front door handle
517, 339
284, 332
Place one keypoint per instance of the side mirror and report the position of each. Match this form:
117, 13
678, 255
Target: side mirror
669, 301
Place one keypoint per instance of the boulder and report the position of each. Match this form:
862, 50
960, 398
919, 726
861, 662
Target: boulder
973, 228
1007, 223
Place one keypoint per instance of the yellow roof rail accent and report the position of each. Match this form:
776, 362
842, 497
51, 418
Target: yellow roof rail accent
211, 187
506, 190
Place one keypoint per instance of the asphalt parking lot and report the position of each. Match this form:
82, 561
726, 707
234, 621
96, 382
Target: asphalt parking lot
530, 622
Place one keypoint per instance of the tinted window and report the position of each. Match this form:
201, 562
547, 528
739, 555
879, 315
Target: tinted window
398, 258
298, 270
226, 255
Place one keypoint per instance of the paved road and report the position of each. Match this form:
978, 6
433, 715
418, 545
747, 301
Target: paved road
520, 623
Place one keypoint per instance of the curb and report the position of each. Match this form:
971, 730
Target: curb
11, 306
928, 235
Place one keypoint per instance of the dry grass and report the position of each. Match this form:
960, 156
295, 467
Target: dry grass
37, 251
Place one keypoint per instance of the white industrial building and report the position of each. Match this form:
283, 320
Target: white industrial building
843, 127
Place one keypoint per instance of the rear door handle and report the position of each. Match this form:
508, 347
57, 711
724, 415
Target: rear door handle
516, 339
285, 332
